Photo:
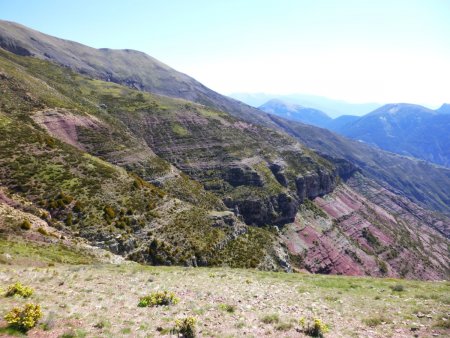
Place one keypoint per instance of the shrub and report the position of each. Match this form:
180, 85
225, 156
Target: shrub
69, 219
42, 231
227, 308
383, 267
376, 320
109, 212
442, 323
158, 299
185, 327
25, 225
24, 319
284, 326
49, 322
397, 288
19, 289
316, 328
78, 207
270, 319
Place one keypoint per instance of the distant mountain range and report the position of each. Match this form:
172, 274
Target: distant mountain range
331, 107
296, 112
402, 128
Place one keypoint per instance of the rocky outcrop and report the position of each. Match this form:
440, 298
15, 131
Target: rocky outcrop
356, 236
278, 209
14, 47
63, 124
278, 171
344, 168
315, 184
237, 175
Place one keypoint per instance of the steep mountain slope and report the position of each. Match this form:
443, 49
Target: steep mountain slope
128, 67
355, 236
176, 223
405, 129
340, 122
421, 182
296, 112
444, 109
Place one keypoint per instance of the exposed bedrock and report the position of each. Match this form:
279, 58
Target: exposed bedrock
275, 207
242, 175
278, 209
314, 184
345, 169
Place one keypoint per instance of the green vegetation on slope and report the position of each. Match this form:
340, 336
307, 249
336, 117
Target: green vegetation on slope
86, 195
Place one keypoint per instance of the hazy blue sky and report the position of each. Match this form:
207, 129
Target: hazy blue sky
356, 50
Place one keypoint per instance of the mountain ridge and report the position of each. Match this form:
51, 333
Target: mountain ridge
403, 128
332, 107
406, 129
145, 73
296, 112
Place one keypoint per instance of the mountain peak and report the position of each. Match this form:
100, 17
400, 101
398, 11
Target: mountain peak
401, 108
296, 112
281, 103
127, 67
444, 109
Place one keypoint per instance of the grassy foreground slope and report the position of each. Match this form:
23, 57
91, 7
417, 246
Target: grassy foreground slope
85, 301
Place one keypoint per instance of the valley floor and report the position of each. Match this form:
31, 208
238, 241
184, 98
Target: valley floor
100, 300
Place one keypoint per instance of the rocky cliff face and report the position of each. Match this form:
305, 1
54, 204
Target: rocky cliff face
345, 233
259, 173
315, 184
279, 209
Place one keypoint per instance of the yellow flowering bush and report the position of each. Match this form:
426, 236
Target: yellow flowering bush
19, 289
24, 318
315, 329
185, 327
158, 299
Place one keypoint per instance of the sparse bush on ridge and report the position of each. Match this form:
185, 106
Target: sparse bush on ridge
158, 299
19, 289
24, 318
